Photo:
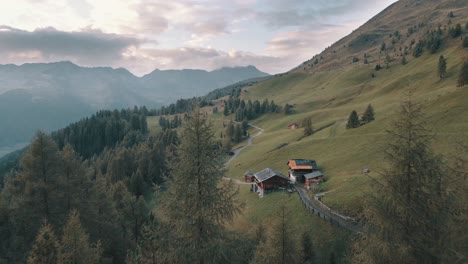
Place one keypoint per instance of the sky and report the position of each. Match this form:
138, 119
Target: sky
143, 35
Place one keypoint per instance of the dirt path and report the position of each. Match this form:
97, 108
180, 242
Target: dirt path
238, 151
249, 143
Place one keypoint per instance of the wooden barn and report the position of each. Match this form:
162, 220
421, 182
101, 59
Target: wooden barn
267, 180
249, 176
299, 167
314, 177
293, 126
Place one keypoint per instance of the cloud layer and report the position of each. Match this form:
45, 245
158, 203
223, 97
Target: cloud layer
274, 35
49, 44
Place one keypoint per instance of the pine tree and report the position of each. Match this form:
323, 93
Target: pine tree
308, 251
75, 182
237, 137
353, 120
368, 115
230, 130
45, 248
198, 203
409, 208
280, 246
75, 246
442, 68
463, 76
403, 60
307, 124
37, 189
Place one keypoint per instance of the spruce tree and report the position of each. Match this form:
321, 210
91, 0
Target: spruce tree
308, 251
307, 124
368, 115
442, 68
409, 208
353, 120
463, 75
198, 203
237, 137
403, 60
45, 248
75, 246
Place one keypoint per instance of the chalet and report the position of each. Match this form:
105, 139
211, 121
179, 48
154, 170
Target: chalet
267, 180
249, 176
299, 167
314, 177
293, 126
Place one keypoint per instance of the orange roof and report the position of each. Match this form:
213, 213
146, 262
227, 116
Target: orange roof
296, 164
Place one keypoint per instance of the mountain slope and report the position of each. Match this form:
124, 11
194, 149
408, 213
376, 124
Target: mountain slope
50, 95
397, 26
186, 83
329, 90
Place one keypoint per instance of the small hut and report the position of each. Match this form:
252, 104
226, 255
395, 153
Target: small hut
249, 176
314, 177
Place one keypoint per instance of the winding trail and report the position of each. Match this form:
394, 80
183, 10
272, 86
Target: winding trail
315, 207
249, 143
238, 151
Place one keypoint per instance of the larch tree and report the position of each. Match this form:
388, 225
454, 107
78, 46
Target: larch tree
75, 246
281, 245
442, 68
45, 248
198, 203
37, 189
308, 250
409, 209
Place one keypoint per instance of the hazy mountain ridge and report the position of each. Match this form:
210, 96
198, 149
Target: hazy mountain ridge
51, 95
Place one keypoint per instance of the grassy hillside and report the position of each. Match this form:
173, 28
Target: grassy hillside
329, 97
327, 91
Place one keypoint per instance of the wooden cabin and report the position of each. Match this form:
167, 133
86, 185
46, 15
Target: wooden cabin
299, 167
314, 177
269, 179
293, 126
249, 176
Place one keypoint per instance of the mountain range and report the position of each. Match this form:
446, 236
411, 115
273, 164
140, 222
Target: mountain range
48, 96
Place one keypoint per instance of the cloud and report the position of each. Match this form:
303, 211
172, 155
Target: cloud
89, 47
197, 18
307, 13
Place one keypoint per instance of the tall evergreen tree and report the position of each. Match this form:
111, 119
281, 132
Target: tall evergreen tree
198, 203
307, 124
368, 115
308, 251
410, 207
463, 75
75, 246
36, 192
237, 133
281, 245
353, 120
45, 248
442, 68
